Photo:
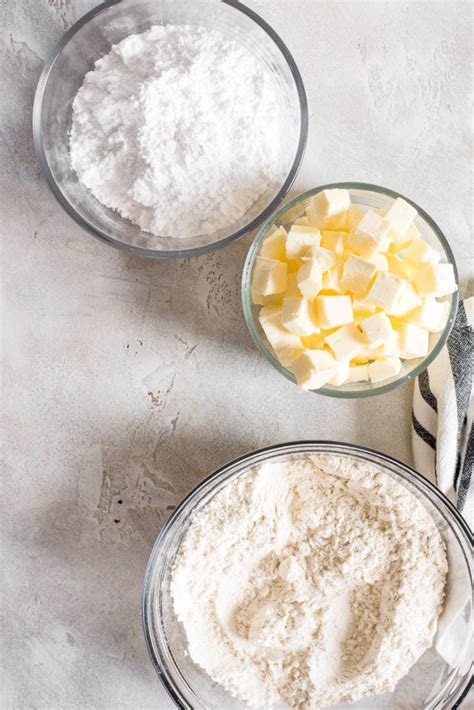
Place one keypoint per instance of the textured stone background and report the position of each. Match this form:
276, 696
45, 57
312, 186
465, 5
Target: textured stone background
128, 380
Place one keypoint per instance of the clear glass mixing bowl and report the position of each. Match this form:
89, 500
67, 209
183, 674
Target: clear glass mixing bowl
432, 683
365, 196
91, 38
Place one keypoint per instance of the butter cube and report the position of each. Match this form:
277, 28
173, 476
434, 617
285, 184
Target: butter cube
332, 311
286, 345
357, 274
377, 329
384, 369
386, 291
407, 301
273, 300
328, 209
431, 315
334, 241
435, 280
370, 236
341, 373
414, 341
292, 287
399, 243
313, 368
400, 267
362, 309
346, 342
302, 221
310, 278
314, 341
293, 265
354, 216
273, 246
326, 258
269, 276
358, 373
400, 214
419, 252
300, 240
268, 312
379, 261
296, 316
332, 282
390, 348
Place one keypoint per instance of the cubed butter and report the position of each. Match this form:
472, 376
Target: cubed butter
358, 373
293, 265
383, 369
274, 246
297, 317
346, 342
313, 368
326, 258
310, 278
316, 340
300, 240
354, 216
332, 311
386, 291
370, 236
273, 300
435, 280
377, 329
431, 315
407, 301
346, 295
341, 373
357, 274
328, 209
379, 261
400, 215
292, 287
269, 276
334, 241
419, 252
286, 345
391, 348
332, 282
414, 341
400, 267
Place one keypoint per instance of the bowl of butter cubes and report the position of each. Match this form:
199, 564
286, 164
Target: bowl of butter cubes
350, 290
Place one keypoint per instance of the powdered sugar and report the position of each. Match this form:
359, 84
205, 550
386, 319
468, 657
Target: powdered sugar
178, 129
310, 583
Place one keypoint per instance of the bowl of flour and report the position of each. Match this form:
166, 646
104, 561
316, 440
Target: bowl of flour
170, 128
312, 575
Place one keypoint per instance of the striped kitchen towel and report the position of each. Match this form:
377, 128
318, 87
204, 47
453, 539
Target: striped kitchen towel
443, 408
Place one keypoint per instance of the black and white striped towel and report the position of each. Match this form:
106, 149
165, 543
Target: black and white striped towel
443, 408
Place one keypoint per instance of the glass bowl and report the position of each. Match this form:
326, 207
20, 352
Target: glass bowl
92, 37
365, 196
432, 682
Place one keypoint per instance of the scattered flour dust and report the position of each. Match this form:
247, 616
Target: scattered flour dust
178, 129
310, 582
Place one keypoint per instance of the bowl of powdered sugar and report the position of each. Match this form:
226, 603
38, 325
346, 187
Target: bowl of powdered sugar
169, 127
312, 575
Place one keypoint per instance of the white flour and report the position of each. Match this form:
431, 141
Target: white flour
178, 129
310, 583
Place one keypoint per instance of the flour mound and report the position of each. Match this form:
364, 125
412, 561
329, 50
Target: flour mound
178, 129
310, 582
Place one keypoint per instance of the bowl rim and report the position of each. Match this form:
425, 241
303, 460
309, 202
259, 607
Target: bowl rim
420, 482
268, 354
181, 253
